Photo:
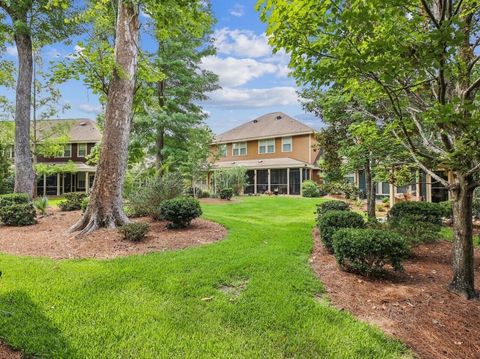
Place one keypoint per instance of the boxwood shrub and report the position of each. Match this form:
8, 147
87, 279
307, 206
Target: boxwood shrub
18, 214
226, 193
310, 189
134, 232
333, 205
180, 211
13, 198
421, 211
332, 221
369, 250
72, 202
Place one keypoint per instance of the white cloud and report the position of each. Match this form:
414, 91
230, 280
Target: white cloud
89, 108
235, 72
241, 98
12, 51
237, 10
241, 43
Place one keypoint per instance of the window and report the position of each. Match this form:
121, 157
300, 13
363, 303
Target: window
81, 150
239, 149
67, 151
287, 144
266, 146
222, 150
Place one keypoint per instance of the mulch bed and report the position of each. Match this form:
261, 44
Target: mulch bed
49, 238
7, 353
414, 306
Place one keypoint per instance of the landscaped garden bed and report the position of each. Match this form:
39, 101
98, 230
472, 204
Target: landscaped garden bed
413, 305
50, 238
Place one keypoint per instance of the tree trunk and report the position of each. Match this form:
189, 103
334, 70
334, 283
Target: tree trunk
24, 172
371, 192
463, 259
106, 202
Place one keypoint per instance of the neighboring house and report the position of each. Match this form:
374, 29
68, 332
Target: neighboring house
83, 135
277, 150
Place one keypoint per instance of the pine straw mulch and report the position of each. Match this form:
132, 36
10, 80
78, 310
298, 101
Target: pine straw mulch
7, 353
413, 306
49, 238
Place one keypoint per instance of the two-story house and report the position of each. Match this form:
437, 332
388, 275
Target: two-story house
83, 135
277, 151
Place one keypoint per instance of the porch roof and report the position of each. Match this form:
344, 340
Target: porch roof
79, 166
264, 164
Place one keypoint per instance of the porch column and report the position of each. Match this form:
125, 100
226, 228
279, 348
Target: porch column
255, 181
429, 188
301, 181
418, 184
87, 182
58, 185
44, 185
288, 181
392, 194
450, 178
269, 185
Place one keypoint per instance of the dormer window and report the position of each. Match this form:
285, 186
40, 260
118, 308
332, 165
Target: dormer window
222, 150
266, 146
239, 149
287, 144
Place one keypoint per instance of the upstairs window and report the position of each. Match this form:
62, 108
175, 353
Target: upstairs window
222, 150
287, 144
239, 149
67, 151
81, 150
266, 146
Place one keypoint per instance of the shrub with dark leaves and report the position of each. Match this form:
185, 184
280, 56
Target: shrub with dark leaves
226, 193
421, 211
72, 202
310, 189
333, 205
134, 232
18, 214
13, 198
332, 221
180, 211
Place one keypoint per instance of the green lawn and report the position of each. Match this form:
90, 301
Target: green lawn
167, 305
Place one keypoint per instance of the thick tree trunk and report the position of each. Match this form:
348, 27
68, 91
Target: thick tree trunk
106, 203
371, 193
24, 172
463, 259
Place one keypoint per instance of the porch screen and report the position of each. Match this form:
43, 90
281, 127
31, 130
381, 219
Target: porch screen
262, 181
278, 180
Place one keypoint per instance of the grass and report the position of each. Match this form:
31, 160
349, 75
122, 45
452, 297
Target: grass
252, 295
447, 234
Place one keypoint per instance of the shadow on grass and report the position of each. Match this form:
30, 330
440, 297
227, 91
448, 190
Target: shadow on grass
25, 327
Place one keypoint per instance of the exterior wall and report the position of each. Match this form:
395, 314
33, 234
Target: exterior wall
301, 150
73, 158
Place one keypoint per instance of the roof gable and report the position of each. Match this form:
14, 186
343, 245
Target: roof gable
274, 124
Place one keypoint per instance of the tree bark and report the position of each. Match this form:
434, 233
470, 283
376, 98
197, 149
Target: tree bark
106, 201
371, 192
24, 172
463, 258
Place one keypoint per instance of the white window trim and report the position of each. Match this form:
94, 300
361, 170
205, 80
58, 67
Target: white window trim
63, 151
223, 145
291, 143
266, 141
78, 150
235, 146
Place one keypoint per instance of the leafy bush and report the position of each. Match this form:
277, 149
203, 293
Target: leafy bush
13, 198
415, 231
41, 205
447, 209
18, 214
331, 221
310, 189
476, 208
84, 204
134, 232
72, 202
369, 250
421, 211
226, 193
204, 194
349, 190
333, 205
146, 200
180, 211
322, 190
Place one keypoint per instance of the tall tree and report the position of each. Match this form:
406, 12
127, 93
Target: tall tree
31, 23
422, 56
106, 201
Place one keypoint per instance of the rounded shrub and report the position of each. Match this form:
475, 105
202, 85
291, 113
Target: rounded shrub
421, 211
226, 193
180, 211
332, 221
84, 204
13, 198
72, 202
333, 205
415, 231
310, 189
18, 214
369, 250
134, 232
447, 209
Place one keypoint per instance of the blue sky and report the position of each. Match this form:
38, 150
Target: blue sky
254, 80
